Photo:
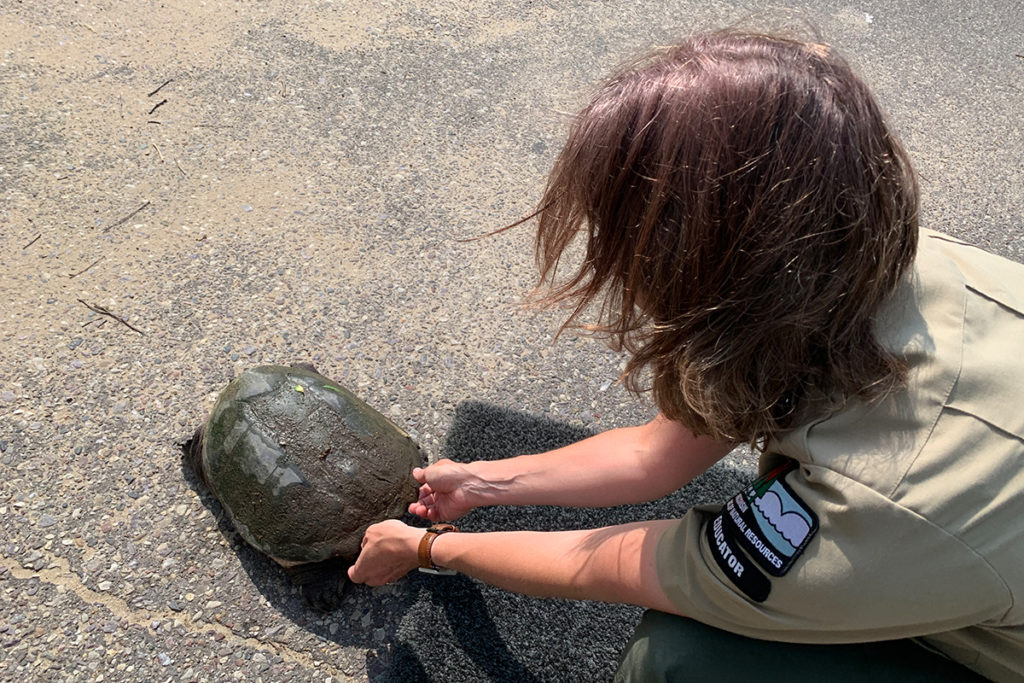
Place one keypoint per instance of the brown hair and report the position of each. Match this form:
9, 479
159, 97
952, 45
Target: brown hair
744, 210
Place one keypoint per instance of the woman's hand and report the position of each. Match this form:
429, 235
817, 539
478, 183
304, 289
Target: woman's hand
389, 552
445, 491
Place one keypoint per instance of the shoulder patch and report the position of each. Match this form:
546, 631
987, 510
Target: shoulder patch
734, 563
771, 522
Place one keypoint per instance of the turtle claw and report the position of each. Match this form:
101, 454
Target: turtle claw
326, 596
322, 584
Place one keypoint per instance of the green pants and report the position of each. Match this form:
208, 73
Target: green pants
667, 648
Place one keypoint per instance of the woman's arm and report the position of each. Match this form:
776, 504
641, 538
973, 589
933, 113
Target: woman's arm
613, 564
620, 466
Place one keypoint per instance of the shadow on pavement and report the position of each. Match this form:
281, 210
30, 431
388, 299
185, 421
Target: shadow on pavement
454, 629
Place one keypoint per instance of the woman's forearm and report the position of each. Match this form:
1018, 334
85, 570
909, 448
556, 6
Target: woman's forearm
613, 564
620, 466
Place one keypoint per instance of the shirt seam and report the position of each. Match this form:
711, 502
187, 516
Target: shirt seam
945, 401
970, 413
1016, 312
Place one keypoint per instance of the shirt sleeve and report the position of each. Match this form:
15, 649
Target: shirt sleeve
807, 555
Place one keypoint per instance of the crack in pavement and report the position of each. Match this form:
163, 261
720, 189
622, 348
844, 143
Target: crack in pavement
62, 575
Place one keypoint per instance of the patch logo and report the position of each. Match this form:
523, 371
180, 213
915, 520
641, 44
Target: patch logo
770, 522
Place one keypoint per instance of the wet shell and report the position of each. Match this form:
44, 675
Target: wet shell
302, 466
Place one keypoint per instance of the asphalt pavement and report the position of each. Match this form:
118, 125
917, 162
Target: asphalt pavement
188, 189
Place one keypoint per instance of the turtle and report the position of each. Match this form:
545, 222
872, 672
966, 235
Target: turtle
302, 467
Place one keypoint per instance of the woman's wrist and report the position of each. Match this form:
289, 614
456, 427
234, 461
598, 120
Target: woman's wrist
425, 555
441, 554
485, 484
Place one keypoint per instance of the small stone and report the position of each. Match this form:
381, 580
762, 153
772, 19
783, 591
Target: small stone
104, 585
213, 604
246, 208
74, 343
180, 509
7, 396
46, 520
163, 659
30, 561
3, 446
249, 350
175, 605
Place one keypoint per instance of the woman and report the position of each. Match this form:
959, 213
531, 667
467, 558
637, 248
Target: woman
752, 240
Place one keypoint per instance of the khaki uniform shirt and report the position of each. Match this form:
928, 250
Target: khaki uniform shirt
904, 518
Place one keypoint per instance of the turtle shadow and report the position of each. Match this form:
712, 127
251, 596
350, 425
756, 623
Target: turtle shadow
369, 618
269, 578
452, 629
262, 571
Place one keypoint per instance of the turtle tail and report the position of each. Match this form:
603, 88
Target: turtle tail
192, 453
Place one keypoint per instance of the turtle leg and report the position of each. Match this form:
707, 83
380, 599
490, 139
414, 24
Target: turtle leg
322, 583
192, 452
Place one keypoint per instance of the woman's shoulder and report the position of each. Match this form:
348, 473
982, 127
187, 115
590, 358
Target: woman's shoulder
986, 273
956, 319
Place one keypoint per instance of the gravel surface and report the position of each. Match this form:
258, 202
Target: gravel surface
188, 189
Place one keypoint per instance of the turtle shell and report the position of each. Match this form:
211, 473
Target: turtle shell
302, 466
